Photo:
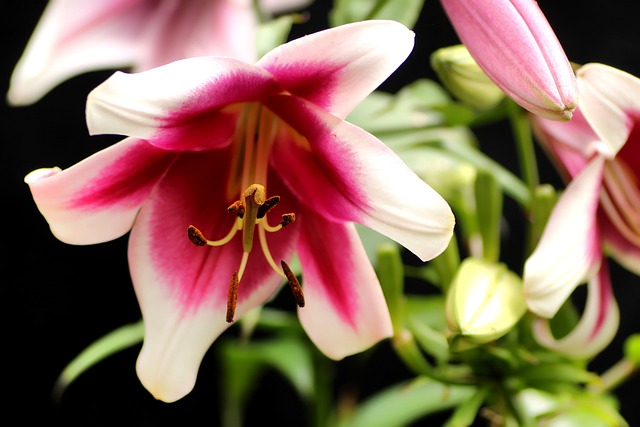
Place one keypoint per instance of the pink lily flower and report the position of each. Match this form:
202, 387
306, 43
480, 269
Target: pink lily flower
599, 212
513, 43
77, 36
224, 146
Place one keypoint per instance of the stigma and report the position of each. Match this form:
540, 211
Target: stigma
251, 216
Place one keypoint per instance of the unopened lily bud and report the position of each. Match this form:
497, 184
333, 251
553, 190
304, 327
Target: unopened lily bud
512, 41
485, 300
462, 76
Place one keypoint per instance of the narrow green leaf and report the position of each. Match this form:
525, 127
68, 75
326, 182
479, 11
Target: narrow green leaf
391, 275
407, 402
466, 413
488, 197
115, 341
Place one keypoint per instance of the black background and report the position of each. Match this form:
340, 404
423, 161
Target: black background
58, 298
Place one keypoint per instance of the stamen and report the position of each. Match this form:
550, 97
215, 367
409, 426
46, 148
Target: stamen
288, 218
196, 236
237, 208
269, 204
232, 297
296, 289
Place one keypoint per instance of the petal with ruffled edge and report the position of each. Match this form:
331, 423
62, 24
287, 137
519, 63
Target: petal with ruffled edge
597, 327
337, 68
610, 101
98, 199
345, 310
185, 105
75, 36
569, 251
346, 174
182, 288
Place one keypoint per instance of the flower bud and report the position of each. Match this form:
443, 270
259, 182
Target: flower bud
461, 75
485, 300
512, 41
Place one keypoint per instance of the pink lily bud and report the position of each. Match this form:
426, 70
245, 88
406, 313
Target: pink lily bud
513, 43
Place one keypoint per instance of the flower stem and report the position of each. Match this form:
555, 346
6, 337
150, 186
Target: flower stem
521, 127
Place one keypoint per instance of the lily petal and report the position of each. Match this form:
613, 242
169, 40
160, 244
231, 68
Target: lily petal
337, 68
193, 92
569, 251
178, 30
621, 249
571, 144
610, 101
98, 199
345, 311
349, 175
182, 288
597, 327
56, 50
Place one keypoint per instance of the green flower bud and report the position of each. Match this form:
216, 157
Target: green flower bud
485, 300
462, 76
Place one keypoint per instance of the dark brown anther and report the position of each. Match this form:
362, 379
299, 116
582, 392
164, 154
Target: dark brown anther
287, 219
294, 284
237, 208
232, 297
268, 204
196, 236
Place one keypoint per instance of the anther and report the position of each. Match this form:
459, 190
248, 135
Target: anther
268, 204
237, 208
296, 289
287, 219
196, 236
232, 297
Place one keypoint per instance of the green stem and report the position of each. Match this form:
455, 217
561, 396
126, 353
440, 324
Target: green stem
614, 376
521, 127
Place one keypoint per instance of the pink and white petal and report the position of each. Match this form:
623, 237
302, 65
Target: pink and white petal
347, 174
624, 251
345, 311
337, 68
76, 36
181, 30
97, 200
610, 101
162, 101
597, 327
570, 143
182, 288
569, 251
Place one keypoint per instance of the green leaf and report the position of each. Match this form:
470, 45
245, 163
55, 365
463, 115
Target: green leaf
275, 32
390, 272
115, 341
407, 402
465, 414
403, 11
372, 240
489, 209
